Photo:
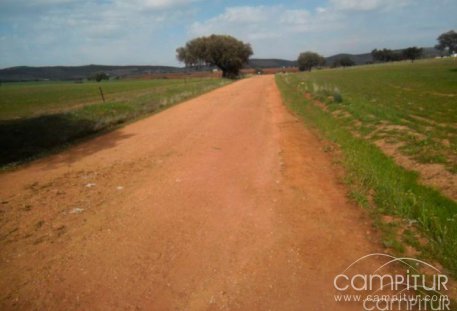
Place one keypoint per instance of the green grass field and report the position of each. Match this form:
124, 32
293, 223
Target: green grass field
36, 118
411, 105
414, 107
19, 100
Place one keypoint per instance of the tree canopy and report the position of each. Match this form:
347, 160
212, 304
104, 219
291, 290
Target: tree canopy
99, 76
308, 60
385, 55
412, 53
343, 61
226, 52
447, 41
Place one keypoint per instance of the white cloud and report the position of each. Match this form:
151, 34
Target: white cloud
33, 4
266, 22
49, 2
296, 17
247, 22
367, 5
161, 4
70, 32
106, 32
340, 26
246, 14
273, 31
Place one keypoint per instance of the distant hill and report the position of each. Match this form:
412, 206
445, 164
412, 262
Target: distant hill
431, 52
361, 59
83, 72
271, 63
358, 59
24, 73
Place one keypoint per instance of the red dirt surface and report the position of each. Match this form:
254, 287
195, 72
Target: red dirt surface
225, 202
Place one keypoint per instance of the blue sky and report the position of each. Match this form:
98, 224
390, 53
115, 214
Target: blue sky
141, 32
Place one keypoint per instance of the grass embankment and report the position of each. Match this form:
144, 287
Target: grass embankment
36, 118
403, 209
413, 106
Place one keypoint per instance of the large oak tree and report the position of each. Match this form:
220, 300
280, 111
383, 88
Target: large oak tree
412, 53
226, 52
448, 41
308, 60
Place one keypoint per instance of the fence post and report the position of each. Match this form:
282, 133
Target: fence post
101, 93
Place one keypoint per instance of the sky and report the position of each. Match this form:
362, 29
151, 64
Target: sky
147, 32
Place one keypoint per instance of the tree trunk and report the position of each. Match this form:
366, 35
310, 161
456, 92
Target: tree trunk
229, 74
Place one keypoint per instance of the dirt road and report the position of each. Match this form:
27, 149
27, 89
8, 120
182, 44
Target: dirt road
225, 202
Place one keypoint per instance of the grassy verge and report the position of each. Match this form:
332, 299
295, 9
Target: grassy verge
410, 105
383, 187
26, 138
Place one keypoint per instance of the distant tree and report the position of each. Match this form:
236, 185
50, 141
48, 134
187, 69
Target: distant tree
378, 55
385, 55
226, 52
344, 61
396, 56
99, 76
308, 60
447, 41
412, 53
